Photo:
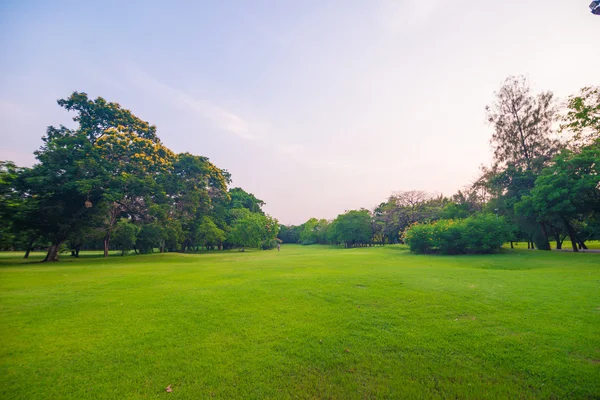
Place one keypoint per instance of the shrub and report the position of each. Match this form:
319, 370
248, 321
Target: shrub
483, 233
269, 244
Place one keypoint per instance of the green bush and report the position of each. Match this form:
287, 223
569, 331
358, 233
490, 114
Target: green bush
483, 233
269, 244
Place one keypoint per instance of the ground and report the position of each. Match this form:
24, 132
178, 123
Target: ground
306, 322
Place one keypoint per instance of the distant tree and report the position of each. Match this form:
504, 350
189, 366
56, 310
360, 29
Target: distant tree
290, 233
125, 235
352, 228
522, 143
209, 234
251, 229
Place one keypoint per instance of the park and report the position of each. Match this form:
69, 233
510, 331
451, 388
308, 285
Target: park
300, 200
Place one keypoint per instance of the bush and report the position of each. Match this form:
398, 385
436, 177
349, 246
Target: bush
484, 233
269, 244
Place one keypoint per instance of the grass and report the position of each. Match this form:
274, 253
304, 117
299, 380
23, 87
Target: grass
307, 322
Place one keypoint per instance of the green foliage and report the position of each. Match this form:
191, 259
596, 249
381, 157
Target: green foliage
566, 191
252, 229
290, 233
583, 116
480, 234
209, 234
314, 231
125, 235
352, 228
269, 244
242, 199
150, 237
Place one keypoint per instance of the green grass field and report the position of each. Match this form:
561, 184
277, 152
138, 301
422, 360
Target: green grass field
307, 322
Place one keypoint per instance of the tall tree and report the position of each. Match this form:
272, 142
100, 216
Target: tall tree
567, 191
522, 125
522, 143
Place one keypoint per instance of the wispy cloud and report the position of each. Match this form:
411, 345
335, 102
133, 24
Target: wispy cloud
219, 117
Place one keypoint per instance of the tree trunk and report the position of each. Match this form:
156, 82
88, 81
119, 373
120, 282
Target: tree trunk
571, 235
106, 243
511, 245
545, 244
558, 241
52, 254
28, 250
582, 244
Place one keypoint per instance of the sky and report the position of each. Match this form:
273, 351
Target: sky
315, 106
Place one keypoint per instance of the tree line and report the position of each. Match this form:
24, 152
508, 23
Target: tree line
543, 183
111, 183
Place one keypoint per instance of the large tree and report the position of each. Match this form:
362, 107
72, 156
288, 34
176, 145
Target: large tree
567, 191
352, 228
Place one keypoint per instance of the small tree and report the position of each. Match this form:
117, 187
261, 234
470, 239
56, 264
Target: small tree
125, 235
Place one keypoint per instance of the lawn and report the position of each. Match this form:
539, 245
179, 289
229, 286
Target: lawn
307, 322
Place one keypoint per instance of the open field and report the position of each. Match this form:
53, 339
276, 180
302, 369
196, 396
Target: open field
307, 322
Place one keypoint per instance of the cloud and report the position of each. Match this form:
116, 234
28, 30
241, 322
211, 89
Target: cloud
219, 117
222, 119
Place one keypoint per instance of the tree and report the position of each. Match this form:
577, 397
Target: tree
290, 233
242, 199
352, 228
250, 229
522, 125
567, 191
59, 189
208, 234
129, 165
522, 143
125, 235
582, 117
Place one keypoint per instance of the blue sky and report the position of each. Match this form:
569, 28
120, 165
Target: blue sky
315, 106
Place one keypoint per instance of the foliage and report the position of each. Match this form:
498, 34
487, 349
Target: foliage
208, 233
480, 234
566, 191
352, 228
314, 231
290, 233
251, 229
582, 117
125, 235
